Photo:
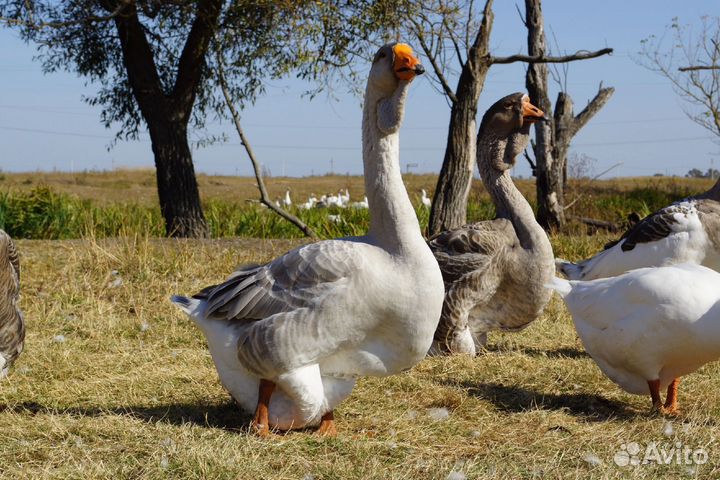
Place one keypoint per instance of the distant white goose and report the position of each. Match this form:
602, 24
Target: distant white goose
495, 271
311, 202
290, 337
344, 198
361, 205
425, 199
648, 327
12, 325
287, 201
685, 231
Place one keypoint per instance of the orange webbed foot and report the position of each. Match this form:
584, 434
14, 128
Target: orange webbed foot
327, 426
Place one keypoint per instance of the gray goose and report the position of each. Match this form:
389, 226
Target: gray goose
687, 231
495, 271
12, 326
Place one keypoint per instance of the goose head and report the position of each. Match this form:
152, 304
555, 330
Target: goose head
393, 63
506, 124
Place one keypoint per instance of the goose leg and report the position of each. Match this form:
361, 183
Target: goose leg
261, 423
671, 404
655, 394
327, 425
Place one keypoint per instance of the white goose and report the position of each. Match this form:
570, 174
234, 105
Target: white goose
427, 203
287, 201
647, 327
685, 231
290, 337
344, 198
361, 205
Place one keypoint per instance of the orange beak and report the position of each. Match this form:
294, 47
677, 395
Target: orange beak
531, 113
406, 66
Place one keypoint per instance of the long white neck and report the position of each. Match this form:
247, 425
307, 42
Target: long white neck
393, 223
494, 152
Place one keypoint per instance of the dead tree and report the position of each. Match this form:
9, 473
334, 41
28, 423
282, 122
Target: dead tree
552, 138
447, 30
566, 124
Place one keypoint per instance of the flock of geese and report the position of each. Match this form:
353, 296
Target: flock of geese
290, 338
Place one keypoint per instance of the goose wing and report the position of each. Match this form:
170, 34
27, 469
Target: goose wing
12, 254
299, 279
679, 216
298, 308
471, 248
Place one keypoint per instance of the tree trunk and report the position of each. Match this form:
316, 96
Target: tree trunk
549, 172
167, 113
177, 185
567, 125
449, 206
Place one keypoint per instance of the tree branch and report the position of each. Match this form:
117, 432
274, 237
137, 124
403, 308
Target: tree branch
138, 57
436, 67
699, 67
594, 106
192, 58
30, 23
480, 45
580, 55
264, 197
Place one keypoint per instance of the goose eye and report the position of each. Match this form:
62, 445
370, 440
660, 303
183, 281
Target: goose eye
381, 55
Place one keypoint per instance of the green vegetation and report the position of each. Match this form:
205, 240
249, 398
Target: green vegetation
66, 206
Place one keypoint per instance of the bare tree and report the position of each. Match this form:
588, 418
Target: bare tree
690, 59
456, 40
552, 138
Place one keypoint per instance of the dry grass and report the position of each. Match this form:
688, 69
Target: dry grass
132, 391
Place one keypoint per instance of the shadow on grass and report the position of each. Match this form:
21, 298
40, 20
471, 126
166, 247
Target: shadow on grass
514, 399
561, 352
226, 416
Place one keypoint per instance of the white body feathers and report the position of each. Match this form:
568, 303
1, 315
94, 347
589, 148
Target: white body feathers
647, 324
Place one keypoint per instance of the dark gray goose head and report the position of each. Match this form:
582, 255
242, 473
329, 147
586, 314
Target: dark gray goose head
507, 124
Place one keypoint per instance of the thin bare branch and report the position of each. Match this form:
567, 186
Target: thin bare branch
417, 29
580, 55
264, 197
699, 67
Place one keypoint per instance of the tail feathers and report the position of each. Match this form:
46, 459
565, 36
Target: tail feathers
571, 270
187, 305
560, 285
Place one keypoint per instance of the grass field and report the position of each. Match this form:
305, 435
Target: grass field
64, 205
116, 383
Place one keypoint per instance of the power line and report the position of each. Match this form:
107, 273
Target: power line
325, 147
635, 142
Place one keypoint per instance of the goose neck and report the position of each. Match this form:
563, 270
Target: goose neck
393, 223
494, 163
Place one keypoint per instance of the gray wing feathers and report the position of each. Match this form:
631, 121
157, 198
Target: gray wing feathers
12, 327
274, 302
471, 247
13, 256
468, 258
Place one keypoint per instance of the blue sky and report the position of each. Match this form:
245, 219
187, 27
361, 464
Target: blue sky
44, 125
